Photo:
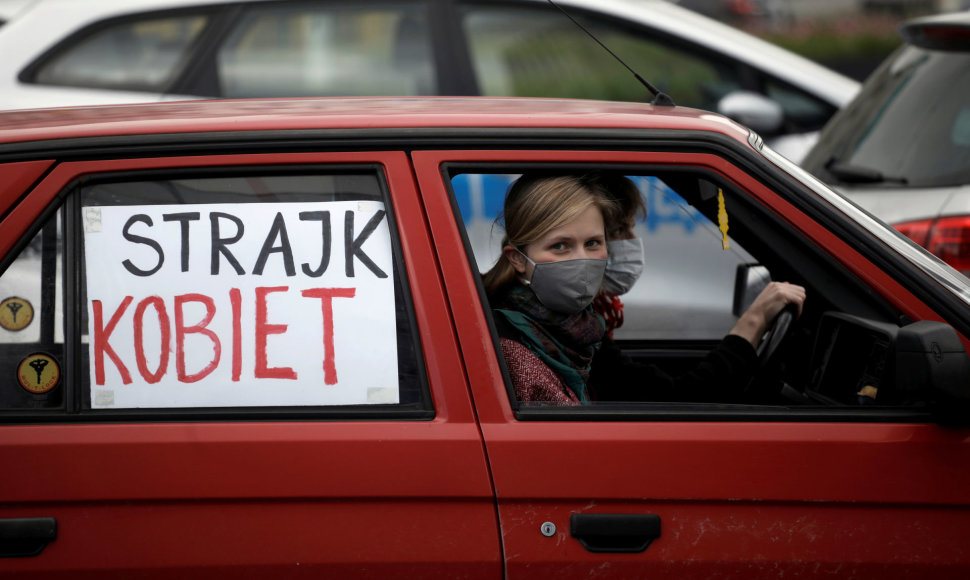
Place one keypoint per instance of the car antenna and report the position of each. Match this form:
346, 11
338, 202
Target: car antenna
659, 97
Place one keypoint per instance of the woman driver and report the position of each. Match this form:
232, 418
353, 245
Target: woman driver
553, 257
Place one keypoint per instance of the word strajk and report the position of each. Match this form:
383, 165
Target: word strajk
277, 241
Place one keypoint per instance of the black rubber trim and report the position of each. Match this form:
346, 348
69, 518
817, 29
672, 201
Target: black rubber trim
26, 537
76, 412
396, 139
615, 533
715, 412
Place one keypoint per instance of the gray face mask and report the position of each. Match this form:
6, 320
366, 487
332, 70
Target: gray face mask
566, 286
624, 266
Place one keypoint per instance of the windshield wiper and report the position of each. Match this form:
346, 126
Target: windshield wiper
848, 173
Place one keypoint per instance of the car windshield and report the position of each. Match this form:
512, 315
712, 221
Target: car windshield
909, 125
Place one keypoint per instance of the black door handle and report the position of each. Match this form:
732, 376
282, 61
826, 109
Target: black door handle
26, 537
630, 533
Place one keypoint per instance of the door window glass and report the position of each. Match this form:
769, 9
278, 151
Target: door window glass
328, 50
670, 344
676, 298
136, 55
541, 53
247, 292
803, 111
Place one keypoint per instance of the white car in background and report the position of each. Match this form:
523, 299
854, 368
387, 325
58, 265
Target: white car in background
81, 52
901, 149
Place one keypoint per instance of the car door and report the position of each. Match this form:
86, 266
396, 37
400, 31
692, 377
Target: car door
797, 483
232, 365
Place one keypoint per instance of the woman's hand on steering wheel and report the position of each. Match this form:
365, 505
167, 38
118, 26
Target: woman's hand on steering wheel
773, 310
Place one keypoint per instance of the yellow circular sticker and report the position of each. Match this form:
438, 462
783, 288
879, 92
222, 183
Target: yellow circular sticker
39, 373
16, 313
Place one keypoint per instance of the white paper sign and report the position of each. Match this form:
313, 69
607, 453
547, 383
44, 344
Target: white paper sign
225, 305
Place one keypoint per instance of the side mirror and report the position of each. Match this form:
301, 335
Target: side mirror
749, 281
930, 358
753, 110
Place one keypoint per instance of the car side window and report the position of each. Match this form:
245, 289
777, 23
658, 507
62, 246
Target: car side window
144, 54
321, 50
250, 292
667, 355
539, 52
676, 299
804, 111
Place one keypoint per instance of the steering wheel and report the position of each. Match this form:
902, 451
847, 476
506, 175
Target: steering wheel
775, 335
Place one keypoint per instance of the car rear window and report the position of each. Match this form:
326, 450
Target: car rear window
910, 124
248, 292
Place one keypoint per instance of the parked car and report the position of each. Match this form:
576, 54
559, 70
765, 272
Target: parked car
249, 338
901, 149
79, 52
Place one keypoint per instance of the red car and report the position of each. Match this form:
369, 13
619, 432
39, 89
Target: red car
250, 339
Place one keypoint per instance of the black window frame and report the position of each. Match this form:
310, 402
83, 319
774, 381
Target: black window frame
76, 408
845, 293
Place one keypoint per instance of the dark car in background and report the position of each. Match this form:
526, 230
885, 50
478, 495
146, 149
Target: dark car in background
901, 149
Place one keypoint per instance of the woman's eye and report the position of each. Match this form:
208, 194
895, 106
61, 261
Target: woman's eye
593, 243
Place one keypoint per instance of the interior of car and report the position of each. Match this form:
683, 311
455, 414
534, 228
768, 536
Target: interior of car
848, 350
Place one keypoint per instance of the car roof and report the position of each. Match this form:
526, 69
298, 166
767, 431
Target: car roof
352, 113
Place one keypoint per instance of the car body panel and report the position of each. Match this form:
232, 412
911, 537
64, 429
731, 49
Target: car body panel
712, 499
296, 488
16, 179
893, 205
352, 113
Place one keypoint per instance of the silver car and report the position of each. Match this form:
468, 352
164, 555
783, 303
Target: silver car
901, 149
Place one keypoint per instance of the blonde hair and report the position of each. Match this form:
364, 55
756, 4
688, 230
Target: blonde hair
537, 204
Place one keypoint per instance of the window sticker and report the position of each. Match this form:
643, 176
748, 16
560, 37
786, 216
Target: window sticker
16, 313
271, 304
38, 373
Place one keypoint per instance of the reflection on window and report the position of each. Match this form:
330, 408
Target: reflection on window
328, 51
139, 55
804, 111
526, 52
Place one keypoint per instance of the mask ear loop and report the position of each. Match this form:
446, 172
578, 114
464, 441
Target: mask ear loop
522, 277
